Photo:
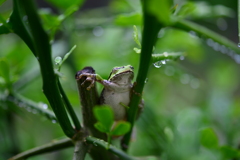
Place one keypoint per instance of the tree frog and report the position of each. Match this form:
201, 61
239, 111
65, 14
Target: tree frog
117, 89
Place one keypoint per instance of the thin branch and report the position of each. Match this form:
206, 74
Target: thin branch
50, 147
98, 142
69, 108
43, 53
203, 31
30, 105
18, 26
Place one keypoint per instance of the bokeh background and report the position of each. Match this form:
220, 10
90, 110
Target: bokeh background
183, 99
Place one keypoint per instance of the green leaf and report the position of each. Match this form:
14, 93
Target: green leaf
68, 54
135, 36
64, 4
229, 152
4, 26
5, 70
101, 127
50, 20
186, 9
129, 19
137, 50
104, 115
202, 10
209, 138
161, 9
2, 1
121, 128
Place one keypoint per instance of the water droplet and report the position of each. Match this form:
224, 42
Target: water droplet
1, 24
237, 58
45, 106
146, 80
98, 31
161, 33
193, 34
216, 46
185, 79
94, 143
210, 42
181, 58
223, 49
238, 44
158, 64
58, 60
54, 121
25, 18
222, 24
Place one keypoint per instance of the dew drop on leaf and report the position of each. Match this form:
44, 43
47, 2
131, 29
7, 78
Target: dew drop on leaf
146, 80
54, 121
181, 58
157, 64
94, 143
58, 60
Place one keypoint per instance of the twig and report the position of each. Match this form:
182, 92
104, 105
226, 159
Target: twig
43, 54
53, 146
98, 142
26, 103
80, 151
201, 30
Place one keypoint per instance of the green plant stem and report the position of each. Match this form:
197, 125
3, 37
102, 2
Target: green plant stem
151, 27
43, 54
98, 142
191, 26
69, 108
172, 56
50, 147
238, 21
18, 26
20, 101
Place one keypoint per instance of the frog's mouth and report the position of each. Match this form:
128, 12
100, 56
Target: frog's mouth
123, 78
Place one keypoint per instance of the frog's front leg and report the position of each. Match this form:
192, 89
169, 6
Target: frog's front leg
91, 78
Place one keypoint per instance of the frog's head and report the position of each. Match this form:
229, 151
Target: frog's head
121, 75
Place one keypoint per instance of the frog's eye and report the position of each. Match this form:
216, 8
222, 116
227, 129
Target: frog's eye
114, 70
132, 67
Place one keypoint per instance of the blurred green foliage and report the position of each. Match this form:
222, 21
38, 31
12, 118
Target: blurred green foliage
192, 106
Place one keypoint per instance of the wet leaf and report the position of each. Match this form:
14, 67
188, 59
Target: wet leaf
104, 116
209, 138
121, 128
